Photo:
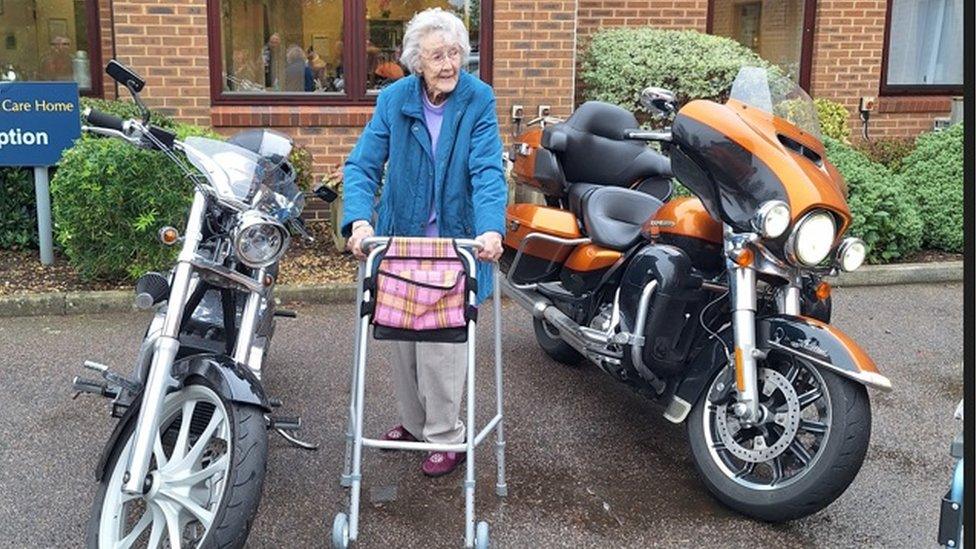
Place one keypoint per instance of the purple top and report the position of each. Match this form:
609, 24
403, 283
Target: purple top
433, 115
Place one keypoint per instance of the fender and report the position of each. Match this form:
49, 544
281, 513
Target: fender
233, 381
807, 338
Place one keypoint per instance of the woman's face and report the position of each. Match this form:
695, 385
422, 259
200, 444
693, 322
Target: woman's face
440, 63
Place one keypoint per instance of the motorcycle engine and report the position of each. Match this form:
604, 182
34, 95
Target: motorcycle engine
603, 318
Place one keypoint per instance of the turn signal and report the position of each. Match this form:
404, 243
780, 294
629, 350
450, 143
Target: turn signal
169, 235
823, 291
744, 257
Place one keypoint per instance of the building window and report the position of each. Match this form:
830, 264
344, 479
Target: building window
926, 52
50, 41
780, 31
316, 51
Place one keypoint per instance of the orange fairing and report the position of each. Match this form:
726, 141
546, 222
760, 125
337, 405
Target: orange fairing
807, 184
685, 216
522, 219
524, 164
591, 257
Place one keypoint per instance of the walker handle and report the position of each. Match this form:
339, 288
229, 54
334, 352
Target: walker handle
374, 241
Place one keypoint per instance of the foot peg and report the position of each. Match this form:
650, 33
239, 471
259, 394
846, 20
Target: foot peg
81, 385
284, 425
111, 387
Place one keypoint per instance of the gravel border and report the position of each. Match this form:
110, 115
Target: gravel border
72, 303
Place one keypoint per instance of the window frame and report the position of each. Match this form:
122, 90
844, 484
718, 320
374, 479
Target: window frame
908, 89
806, 48
94, 51
354, 59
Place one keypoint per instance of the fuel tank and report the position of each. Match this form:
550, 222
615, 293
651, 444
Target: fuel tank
684, 222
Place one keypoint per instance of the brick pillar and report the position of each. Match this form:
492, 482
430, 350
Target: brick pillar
167, 44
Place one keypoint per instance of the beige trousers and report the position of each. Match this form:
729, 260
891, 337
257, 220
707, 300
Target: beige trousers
429, 380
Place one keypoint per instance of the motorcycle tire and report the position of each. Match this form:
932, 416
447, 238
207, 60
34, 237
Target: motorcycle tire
556, 348
833, 471
242, 491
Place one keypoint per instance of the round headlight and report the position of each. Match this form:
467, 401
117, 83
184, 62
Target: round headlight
812, 238
259, 240
772, 219
851, 254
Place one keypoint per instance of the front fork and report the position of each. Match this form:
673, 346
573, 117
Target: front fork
167, 345
742, 291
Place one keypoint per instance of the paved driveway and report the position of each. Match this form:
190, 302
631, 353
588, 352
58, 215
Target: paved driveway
590, 463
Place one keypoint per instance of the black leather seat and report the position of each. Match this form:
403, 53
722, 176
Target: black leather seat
612, 216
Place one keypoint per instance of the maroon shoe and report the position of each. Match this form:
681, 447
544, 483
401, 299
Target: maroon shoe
398, 434
441, 463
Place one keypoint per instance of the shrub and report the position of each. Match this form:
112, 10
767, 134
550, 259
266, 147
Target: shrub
126, 109
18, 211
889, 151
619, 63
883, 213
933, 175
833, 119
109, 200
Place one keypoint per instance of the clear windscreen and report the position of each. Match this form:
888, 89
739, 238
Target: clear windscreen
265, 182
778, 95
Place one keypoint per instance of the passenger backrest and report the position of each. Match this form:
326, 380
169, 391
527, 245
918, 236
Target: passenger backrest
591, 148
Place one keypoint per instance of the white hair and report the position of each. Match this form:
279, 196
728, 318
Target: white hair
427, 22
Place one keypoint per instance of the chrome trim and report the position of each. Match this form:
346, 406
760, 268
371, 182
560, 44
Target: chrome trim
842, 249
871, 379
743, 295
677, 410
249, 319
791, 301
252, 218
539, 236
636, 350
759, 219
245, 282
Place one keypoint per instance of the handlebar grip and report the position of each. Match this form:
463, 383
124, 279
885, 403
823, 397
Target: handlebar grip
103, 120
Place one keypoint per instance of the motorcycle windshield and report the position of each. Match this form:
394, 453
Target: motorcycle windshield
774, 93
233, 171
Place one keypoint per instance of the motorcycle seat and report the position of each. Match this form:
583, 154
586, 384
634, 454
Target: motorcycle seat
612, 216
591, 147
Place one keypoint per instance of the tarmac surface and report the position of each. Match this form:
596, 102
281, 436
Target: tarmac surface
590, 464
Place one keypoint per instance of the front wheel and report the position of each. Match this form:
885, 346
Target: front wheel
206, 475
799, 458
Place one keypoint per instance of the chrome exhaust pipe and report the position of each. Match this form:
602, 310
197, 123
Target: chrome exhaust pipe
588, 342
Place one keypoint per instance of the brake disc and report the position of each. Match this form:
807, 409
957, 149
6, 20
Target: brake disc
759, 449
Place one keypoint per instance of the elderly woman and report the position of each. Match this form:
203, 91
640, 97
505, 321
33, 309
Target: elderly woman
437, 135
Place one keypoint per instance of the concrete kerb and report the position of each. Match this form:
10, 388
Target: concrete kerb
70, 303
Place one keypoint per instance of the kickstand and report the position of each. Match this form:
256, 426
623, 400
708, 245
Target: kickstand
299, 443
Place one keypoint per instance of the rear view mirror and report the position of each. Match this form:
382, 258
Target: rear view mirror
125, 76
658, 100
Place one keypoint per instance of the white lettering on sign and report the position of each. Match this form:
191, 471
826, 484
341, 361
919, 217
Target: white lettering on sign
17, 137
8, 105
41, 105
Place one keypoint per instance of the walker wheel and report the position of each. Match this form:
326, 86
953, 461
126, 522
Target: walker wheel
340, 531
481, 536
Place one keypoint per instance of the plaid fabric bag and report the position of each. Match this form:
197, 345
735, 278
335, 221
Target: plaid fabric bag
420, 292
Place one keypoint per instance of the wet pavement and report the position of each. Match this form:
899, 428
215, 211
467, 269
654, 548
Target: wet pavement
590, 464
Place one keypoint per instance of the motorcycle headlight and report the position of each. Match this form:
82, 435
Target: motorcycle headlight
772, 219
812, 238
851, 253
259, 240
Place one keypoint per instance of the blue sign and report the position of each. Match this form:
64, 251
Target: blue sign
38, 120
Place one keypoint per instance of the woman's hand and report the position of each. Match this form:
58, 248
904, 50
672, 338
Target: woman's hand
491, 246
361, 230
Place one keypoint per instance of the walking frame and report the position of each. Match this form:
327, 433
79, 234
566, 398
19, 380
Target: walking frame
346, 529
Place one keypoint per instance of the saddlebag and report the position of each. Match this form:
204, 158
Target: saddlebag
541, 258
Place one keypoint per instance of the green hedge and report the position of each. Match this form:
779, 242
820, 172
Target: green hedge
18, 212
621, 62
933, 175
833, 119
890, 151
884, 215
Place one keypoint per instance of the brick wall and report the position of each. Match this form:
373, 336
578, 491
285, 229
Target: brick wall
166, 42
848, 43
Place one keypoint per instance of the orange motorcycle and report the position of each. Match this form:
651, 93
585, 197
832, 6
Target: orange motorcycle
714, 305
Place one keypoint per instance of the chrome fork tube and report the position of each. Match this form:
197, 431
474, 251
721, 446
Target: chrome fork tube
743, 295
249, 318
167, 345
791, 301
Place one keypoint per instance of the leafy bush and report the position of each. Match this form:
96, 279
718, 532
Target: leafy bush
126, 109
109, 200
889, 151
621, 62
833, 119
18, 212
933, 175
884, 215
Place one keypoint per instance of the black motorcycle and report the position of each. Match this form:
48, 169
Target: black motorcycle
186, 462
